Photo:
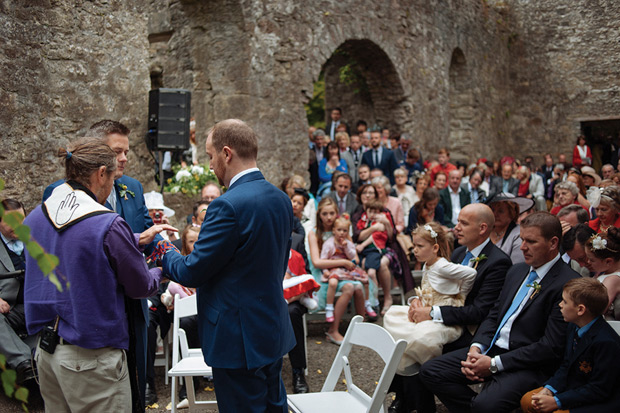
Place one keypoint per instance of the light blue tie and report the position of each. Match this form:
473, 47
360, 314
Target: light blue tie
468, 257
515, 304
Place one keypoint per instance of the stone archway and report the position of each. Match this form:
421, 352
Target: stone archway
461, 108
362, 80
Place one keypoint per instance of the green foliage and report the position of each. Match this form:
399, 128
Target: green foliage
315, 108
189, 180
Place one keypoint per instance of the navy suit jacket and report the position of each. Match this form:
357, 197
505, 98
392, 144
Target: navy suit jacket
538, 334
491, 273
387, 163
238, 264
590, 375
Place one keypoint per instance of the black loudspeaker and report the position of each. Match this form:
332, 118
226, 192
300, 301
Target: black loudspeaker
169, 113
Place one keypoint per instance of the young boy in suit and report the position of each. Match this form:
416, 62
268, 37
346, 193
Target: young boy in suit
589, 376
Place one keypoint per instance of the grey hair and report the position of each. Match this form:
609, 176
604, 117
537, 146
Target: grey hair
567, 185
384, 181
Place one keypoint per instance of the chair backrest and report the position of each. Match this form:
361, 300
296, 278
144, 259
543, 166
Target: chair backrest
615, 325
379, 340
183, 307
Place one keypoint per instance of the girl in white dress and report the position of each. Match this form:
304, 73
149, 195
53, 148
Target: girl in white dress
603, 252
443, 283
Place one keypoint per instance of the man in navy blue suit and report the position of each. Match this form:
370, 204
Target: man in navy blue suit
237, 266
378, 157
127, 200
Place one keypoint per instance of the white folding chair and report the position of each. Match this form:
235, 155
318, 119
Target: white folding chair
163, 358
186, 362
615, 324
354, 399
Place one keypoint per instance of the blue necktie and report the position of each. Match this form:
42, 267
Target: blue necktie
515, 304
468, 257
376, 156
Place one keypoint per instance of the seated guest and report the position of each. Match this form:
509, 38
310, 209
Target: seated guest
425, 210
12, 316
299, 199
363, 177
574, 247
330, 164
476, 194
297, 184
159, 213
443, 165
423, 182
607, 209
453, 198
383, 188
519, 345
343, 141
199, 211
506, 233
210, 191
565, 194
405, 193
504, 183
441, 180
412, 163
472, 232
589, 378
531, 186
379, 157
575, 177
603, 251
572, 215
341, 194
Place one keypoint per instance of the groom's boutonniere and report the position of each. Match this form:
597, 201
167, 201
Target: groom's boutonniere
123, 191
537, 287
477, 260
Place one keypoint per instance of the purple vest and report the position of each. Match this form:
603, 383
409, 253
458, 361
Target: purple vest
92, 309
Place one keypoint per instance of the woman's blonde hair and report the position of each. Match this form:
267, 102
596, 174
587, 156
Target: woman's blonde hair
325, 203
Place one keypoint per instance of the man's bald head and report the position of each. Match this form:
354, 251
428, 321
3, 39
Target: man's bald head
474, 225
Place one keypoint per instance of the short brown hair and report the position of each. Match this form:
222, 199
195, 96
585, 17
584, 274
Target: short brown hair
106, 127
589, 292
237, 135
548, 224
84, 157
443, 151
374, 204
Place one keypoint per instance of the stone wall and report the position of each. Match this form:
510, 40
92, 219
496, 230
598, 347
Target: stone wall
485, 77
65, 65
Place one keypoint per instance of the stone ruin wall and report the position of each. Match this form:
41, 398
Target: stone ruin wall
480, 76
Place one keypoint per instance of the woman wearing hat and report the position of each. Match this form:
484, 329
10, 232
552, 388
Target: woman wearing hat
159, 212
607, 208
506, 233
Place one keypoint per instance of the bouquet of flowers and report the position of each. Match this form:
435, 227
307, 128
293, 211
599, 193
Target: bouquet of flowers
189, 180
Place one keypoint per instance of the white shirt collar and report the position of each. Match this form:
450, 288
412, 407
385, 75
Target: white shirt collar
544, 269
476, 251
240, 174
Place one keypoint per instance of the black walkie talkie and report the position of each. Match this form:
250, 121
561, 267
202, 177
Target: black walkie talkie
50, 338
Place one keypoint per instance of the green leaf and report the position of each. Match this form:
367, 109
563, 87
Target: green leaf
54, 280
21, 394
23, 233
1, 184
2, 361
13, 219
8, 381
47, 263
34, 249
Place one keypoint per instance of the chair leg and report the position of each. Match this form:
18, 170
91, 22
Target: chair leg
191, 392
306, 339
173, 395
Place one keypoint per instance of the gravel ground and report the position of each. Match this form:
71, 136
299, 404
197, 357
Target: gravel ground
366, 367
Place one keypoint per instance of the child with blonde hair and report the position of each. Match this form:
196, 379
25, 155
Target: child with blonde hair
339, 246
443, 283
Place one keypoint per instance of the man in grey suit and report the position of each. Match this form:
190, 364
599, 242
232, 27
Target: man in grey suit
12, 315
344, 198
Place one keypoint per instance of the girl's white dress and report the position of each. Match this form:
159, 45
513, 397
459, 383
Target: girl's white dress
613, 312
443, 283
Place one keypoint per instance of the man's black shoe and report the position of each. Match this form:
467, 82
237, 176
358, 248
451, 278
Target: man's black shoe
299, 383
150, 395
396, 406
25, 372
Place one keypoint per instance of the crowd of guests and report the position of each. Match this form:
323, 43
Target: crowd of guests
500, 244
530, 223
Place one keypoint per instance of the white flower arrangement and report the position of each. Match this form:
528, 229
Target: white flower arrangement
189, 180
